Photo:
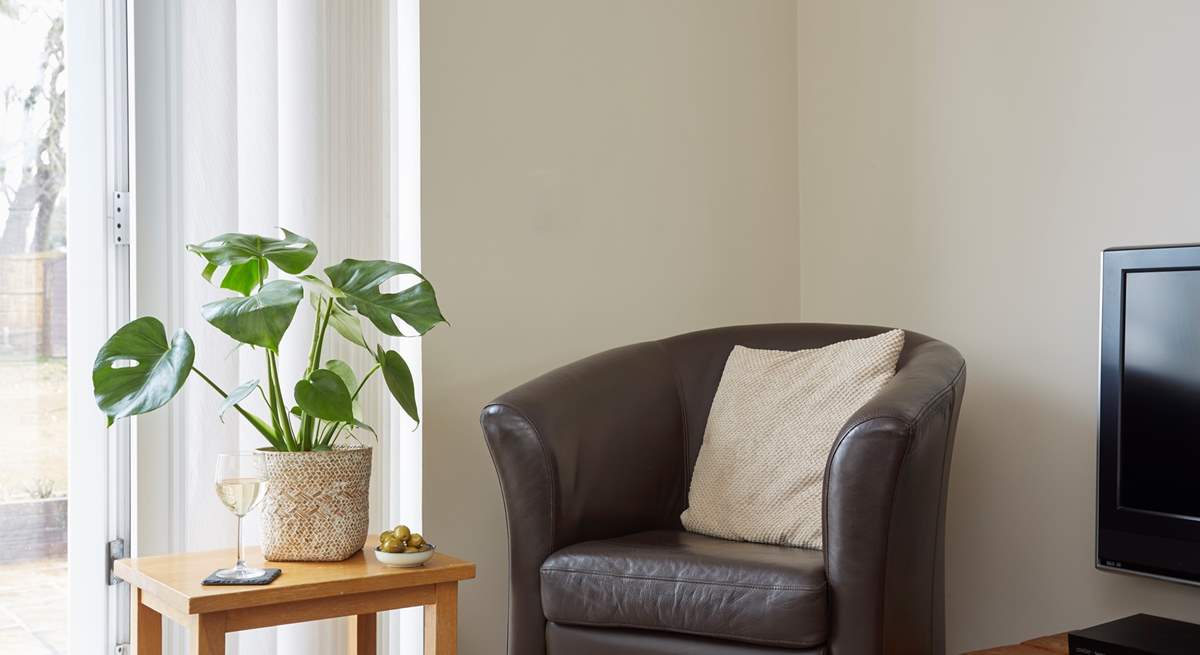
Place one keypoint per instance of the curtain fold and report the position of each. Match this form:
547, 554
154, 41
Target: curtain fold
269, 113
257, 198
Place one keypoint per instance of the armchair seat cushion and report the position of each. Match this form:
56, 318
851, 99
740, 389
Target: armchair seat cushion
682, 582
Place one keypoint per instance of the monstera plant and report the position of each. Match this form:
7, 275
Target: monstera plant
139, 370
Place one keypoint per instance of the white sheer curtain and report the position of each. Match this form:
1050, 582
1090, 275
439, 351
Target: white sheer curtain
253, 115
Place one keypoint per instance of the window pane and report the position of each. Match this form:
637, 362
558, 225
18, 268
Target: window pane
33, 320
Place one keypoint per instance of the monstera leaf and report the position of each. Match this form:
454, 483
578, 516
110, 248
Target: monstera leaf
346, 324
346, 373
343, 322
324, 395
137, 370
318, 289
399, 380
343, 371
236, 396
246, 256
260, 319
359, 282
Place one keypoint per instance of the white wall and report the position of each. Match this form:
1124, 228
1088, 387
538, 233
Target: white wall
594, 174
962, 165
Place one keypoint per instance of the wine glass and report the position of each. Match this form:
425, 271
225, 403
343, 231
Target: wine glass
241, 483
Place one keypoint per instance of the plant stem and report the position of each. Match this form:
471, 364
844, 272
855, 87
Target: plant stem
279, 406
279, 417
304, 437
271, 403
314, 351
308, 424
284, 416
326, 437
253, 420
364, 381
262, 394
324, 328
209, 381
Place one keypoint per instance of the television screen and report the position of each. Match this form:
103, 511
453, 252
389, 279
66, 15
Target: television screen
1160, 393
1148, 437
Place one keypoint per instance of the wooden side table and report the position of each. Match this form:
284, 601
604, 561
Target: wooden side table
1052, 645
169, 585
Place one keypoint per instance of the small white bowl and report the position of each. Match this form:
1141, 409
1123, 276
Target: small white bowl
405, 560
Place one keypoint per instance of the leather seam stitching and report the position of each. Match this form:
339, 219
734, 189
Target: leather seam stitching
627, 576
696, 633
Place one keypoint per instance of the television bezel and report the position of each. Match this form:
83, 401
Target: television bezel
1129, 540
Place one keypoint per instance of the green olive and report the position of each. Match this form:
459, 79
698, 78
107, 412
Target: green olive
401, 532
410, 549
391, 546
416, 540
385, 535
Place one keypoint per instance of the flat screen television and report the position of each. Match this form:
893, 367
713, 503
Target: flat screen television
1148, 446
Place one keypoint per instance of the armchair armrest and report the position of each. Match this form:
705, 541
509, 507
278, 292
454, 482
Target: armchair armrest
592, 450
884, 508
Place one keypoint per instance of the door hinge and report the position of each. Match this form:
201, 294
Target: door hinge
121, 218
114, 551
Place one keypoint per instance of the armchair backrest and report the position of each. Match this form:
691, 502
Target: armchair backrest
698, 360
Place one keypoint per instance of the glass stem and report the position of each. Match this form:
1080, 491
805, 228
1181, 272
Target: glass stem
241, 563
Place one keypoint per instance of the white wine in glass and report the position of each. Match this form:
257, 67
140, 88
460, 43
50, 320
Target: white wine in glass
241, 495
240, 483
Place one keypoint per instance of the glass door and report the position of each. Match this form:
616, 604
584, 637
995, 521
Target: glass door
63, 286
35, 489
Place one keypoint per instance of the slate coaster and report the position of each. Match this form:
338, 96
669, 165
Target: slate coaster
266, 578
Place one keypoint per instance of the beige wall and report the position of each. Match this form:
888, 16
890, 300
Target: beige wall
594, 173
597, 173
962, 165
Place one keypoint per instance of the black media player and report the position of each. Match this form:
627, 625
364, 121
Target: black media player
1140, 634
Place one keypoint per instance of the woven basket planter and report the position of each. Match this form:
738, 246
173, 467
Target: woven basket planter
316, 506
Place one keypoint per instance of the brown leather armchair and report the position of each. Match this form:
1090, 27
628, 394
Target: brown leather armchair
595, 459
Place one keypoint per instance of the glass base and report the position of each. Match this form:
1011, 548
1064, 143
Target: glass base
240, 573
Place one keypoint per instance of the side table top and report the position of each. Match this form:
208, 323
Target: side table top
1052, 645
175, 578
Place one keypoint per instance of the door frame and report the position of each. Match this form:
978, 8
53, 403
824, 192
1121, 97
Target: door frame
98, 292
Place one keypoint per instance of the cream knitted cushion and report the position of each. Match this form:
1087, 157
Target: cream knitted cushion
761, 468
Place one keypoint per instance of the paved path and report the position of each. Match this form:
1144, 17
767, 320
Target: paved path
33, 607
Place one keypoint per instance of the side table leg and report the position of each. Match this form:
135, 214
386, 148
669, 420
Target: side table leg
206, 634
441, 621
147, 626
362, 635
